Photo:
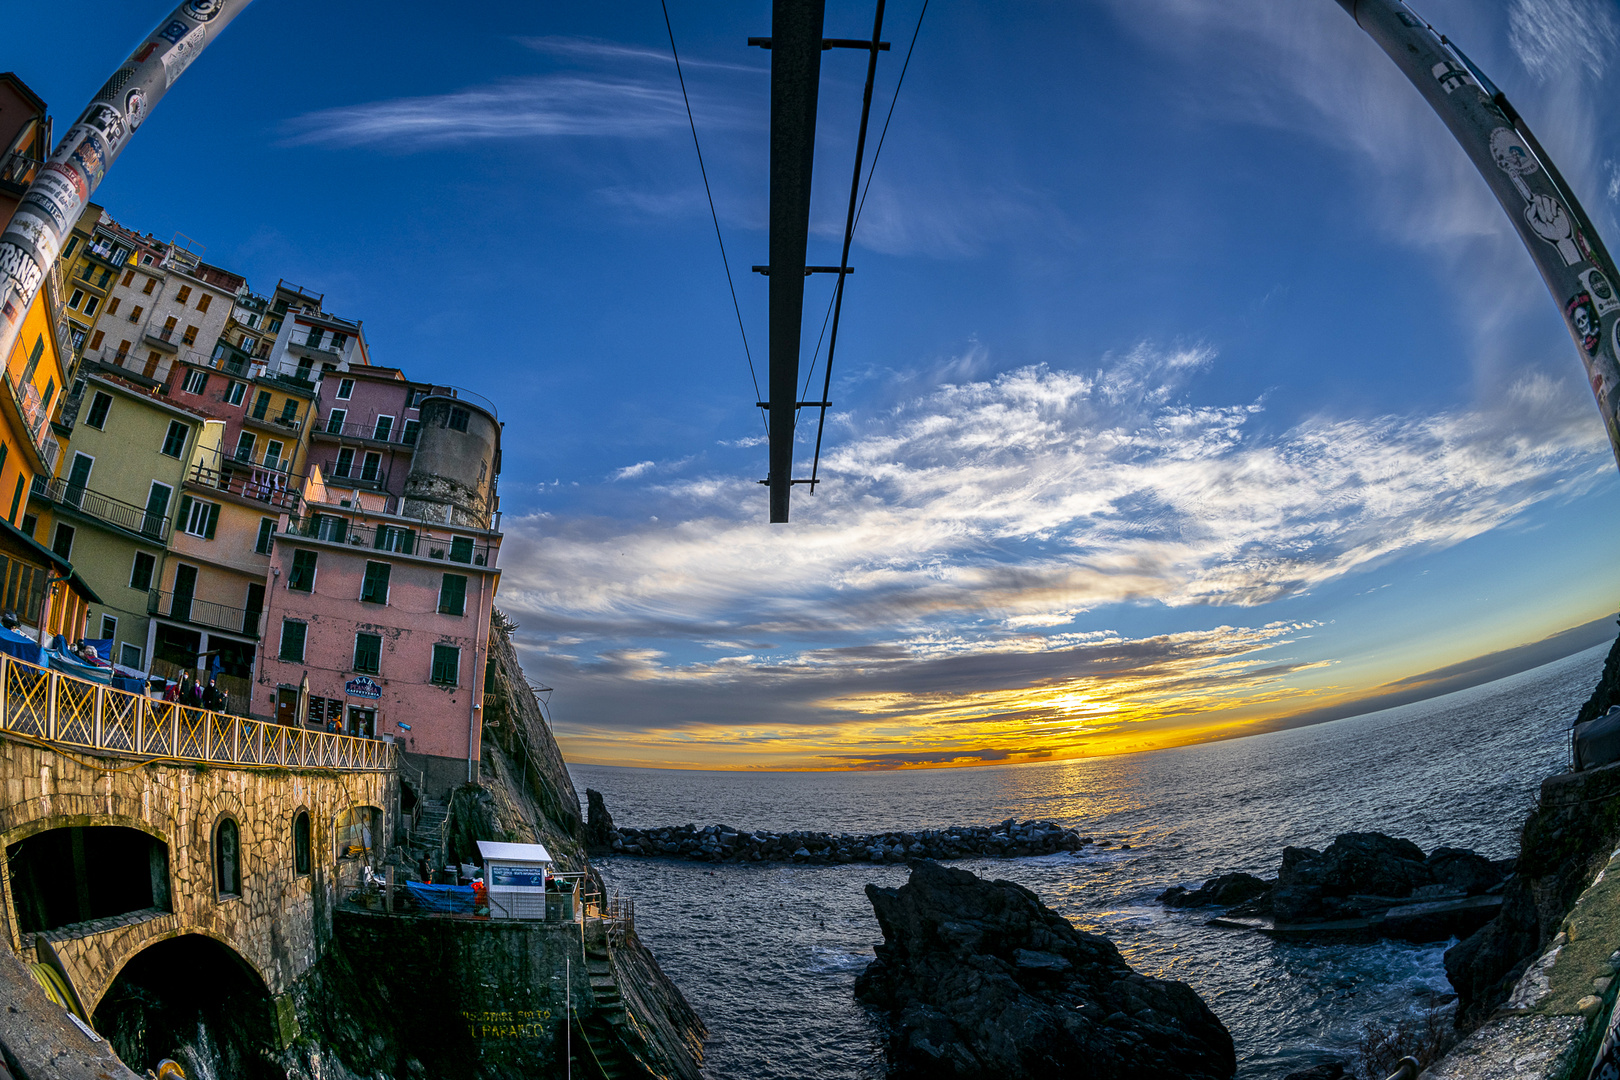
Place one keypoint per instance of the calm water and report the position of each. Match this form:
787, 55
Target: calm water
768, 954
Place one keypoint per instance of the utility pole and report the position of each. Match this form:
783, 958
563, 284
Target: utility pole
53, 202
795, 44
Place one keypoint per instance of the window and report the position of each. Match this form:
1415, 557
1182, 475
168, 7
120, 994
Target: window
76, 299
261, 405
345, 389
30, 524
368, 653
33, 360
130, 656
267, 535
129, 276
313, 338
78, 341
384, 428
394, 538
272, 455
49, 395
292, 640
196, 382
345, 462
157, 508
190, 336
446, 665
301, 843
234, 393
334, 421
146, 260
73, 242
289, 411
140, 574
123, 350
184, 294
411, 429
151, 282
198, 518
62, 543
95, 342
174, 443
90, 306
97, 416
302, 577
109, 628
227, 858
112, 305
453, 595
458, 419
244, 446
338, 341
371, 468
411, 399
253, 321
135, 313
106, 276
275, 326
203, 301
248, 343
461, 549
374, 590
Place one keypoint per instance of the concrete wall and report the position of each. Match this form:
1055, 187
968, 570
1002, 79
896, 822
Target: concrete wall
281, 920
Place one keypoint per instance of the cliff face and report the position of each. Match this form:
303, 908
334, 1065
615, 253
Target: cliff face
1607, 692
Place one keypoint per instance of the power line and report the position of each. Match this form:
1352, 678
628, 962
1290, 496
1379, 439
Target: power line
736, 307
855, 214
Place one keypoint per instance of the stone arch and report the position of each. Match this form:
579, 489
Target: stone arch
227, 863
354, 822
303, 846
68, 821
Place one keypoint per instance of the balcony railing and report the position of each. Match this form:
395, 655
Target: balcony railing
33, 412
322, 345
326, 425
19, 169
106, 508
269, 486
49, 706
187, 608
165, 339
402, 538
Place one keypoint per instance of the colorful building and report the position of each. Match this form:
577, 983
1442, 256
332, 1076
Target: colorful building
378, 613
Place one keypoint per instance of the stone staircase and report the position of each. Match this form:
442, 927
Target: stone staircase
599, 1046
429, 831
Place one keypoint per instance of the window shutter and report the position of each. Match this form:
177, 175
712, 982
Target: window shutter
213, 521
381, 537
184, 518
410, 542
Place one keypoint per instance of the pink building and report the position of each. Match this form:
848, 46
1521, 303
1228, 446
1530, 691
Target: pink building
381, 598
365, 429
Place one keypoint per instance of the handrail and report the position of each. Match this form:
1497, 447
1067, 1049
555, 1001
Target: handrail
113, 511
361, 430
41, 705
1406, 1069
203, 612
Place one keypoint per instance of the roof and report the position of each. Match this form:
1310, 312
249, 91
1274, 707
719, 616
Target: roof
10, 532
494, 849
26, 90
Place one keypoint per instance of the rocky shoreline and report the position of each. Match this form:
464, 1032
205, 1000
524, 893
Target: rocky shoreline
724, 844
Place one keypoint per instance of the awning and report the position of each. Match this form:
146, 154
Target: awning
11, 536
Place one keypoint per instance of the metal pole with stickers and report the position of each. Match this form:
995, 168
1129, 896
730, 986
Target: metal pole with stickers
1556, 231
53, 202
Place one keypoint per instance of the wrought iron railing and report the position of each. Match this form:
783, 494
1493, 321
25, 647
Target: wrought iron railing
18, 168
404, 537
57, 708
396, 433
203, 612
114, 511
269, 486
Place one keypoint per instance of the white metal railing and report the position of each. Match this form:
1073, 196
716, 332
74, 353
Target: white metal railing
60, 709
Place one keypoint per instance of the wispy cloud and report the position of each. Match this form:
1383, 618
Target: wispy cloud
936, 580
1552, 36
630, 472
549, 106
596, 49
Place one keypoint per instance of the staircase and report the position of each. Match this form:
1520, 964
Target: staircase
429, 831
599, 1039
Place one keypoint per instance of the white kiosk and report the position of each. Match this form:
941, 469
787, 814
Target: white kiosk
515, 877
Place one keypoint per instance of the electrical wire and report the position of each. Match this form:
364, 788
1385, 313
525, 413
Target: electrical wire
730, 284
849, 233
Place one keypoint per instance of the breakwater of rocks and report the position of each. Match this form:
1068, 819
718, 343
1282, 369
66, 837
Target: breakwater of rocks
722, 843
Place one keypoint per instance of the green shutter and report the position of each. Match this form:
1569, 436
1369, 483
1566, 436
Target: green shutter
184, 517
410, 542
213, 521
381, 537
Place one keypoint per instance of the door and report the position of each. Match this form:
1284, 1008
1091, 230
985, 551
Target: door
287, 706
244, 446
157, 508
255, 605
363, 722
78, 479
185, 587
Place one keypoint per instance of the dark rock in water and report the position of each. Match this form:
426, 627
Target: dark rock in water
1224, 890
1330, 1070
1314, 885
982, 980
1465, 870
599, 831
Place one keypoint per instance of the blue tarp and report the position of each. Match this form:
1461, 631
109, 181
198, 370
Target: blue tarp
69, 664
454, 899
134, 684
22, 648
103, 646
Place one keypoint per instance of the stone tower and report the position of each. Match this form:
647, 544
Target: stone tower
456, 462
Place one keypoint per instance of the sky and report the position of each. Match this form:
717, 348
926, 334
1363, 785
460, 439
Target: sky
1190, 383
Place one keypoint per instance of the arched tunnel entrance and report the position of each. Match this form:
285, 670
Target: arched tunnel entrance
72, 875
195, 1000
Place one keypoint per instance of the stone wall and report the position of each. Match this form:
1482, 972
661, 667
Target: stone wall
279, 923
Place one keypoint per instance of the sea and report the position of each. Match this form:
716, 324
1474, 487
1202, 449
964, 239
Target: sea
768, 953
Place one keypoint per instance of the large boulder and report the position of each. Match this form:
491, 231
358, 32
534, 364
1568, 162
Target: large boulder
1223, 890
979, 979
1315, 885
599, 831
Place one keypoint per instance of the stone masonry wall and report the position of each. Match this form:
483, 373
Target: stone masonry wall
281, 921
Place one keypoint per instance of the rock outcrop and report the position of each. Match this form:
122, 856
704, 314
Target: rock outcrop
980, 979
722, 843
599, 831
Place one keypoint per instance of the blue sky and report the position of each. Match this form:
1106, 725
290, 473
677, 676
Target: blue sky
1190, 378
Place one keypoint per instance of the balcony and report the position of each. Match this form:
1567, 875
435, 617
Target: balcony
318, 344
34, 414
113, 511
167, 339
272, 487
184, 607
401, 539
395, 436
18, 169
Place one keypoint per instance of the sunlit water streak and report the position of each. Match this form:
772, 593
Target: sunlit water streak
768, 953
